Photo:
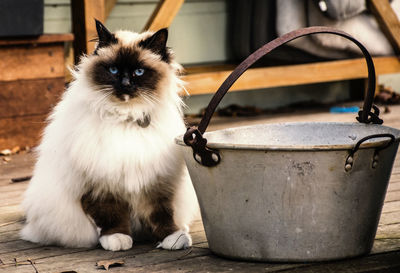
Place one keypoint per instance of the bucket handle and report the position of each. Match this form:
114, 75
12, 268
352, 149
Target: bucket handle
194, 135
350, 158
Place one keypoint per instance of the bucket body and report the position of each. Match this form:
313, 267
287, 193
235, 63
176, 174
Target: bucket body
281, 192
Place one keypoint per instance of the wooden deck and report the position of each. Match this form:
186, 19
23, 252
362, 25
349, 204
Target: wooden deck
20, 256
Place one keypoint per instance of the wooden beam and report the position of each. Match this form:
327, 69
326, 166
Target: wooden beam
387, 20
257, 78
163, 15
83, 14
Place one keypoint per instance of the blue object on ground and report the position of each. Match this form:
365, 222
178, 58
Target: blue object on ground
350, 109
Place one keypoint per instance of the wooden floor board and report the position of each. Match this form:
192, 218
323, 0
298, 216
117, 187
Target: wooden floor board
391, 206
145, 258
392, 196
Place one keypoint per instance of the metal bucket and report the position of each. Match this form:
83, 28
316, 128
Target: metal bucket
291, 191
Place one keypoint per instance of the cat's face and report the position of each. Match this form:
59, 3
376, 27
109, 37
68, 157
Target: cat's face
129, 65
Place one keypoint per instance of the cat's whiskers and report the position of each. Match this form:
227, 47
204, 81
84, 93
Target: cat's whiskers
101, 100
147, 94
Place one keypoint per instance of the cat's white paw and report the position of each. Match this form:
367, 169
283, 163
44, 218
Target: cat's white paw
116, 242
178, 240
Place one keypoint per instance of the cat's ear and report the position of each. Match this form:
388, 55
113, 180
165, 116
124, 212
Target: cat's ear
157, 42
105, 36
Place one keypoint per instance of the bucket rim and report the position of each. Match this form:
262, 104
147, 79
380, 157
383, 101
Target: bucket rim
274, 147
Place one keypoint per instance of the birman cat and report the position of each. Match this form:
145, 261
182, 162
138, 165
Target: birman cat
107, 164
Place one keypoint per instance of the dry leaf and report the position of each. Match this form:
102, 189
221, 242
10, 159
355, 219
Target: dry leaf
107, 263
5, 152
15, 150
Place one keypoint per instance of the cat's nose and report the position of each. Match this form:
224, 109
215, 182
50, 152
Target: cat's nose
125, 81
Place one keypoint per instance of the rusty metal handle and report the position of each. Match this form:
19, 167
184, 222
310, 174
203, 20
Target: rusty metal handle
350, 158
193, 136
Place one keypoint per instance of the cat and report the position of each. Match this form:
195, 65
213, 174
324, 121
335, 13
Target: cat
107, 163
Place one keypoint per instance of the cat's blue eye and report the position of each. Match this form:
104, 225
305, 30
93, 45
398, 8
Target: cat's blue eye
139, 72
113, 70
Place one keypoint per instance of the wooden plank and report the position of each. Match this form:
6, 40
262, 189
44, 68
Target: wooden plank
388, 231
84, 28
388, 21
93, 9
163, 14
10, 226
21, 131
24, 250
19, 165
31, 62
194, 69
256, 78
11, 194
394, 187
29, 97
390, 218
391, 207
392, 196
11, 214
199, 260
42, 39
385, 245
9, 236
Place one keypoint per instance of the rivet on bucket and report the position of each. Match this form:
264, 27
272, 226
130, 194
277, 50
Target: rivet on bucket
350, 158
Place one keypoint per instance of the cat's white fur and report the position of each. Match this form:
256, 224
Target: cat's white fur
94, 141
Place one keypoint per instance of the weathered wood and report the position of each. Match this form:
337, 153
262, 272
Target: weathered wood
87, 259
11, 213
29, 97
394, 187
163, 14
195, 69
392, 196
12, 195
388, 21
388, 231
390, 218
265, 77
83, 14
31, 62
20, 165
9, 236
391, 206
42, 39
21, 131
10, 226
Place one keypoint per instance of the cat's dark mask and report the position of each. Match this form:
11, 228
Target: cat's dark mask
125, 72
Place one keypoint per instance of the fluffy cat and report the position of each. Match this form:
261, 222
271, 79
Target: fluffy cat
107, 164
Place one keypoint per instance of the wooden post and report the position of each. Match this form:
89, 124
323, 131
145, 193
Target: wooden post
387, 20
83, 14
163, 14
